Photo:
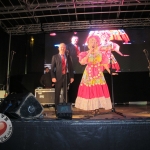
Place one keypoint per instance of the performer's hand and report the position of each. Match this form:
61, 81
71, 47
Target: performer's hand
71, 80
54, 80
90, 51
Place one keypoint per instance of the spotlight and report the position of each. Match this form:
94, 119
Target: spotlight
32, 39
52, 34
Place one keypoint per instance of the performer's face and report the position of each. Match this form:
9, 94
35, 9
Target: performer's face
92, 43
74, 40
62, 49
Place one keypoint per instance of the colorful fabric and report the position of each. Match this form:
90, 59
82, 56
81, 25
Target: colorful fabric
107, 49
93, 92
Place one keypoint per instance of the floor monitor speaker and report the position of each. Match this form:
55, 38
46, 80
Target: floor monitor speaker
21, 105
64, 111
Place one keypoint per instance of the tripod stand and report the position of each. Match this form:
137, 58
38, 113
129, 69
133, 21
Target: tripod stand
112, 89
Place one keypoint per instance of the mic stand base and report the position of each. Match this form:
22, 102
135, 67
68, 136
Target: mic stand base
118, 113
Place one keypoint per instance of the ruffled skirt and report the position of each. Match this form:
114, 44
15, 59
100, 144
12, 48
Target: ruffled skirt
93, 97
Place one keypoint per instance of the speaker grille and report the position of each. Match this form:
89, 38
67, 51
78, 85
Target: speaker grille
30, 108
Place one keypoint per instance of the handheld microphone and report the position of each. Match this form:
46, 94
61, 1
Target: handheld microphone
67, 52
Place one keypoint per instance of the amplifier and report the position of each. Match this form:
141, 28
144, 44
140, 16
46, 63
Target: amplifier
47, 96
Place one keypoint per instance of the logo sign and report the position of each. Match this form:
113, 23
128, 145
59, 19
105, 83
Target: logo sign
5, 128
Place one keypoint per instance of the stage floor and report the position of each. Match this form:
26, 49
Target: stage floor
127, 111
107, 131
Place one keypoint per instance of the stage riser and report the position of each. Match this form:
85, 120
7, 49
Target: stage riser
79, 135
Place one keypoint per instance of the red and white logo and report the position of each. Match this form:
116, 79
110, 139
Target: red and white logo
5, 128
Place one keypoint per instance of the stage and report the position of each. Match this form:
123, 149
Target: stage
107, 131
128, 112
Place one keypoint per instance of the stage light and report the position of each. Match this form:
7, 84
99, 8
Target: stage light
32, 39
56, 45
52, 34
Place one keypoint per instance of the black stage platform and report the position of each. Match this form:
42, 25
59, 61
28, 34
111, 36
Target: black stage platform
108, 131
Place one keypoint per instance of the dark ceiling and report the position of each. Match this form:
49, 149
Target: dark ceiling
37, 16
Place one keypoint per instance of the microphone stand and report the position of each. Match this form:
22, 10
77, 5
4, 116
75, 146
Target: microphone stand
66, 81
8, 73
113, 102
65, 99
146, 54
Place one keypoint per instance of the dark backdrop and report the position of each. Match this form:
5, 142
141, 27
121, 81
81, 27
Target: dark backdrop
27, 61
4, 42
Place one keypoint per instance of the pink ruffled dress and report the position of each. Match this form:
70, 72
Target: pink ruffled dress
93, 91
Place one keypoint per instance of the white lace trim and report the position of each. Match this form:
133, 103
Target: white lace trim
92, 104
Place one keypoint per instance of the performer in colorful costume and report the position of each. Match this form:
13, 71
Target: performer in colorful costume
93, 93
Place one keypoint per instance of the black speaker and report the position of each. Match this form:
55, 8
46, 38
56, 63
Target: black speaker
64, 111
21, 105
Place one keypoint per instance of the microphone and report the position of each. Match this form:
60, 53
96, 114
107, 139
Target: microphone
92, 48
67, 52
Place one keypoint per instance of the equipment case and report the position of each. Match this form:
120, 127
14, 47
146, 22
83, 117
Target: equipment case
47, 96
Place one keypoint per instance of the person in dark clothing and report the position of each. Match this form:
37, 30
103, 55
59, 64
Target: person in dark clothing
46, 80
